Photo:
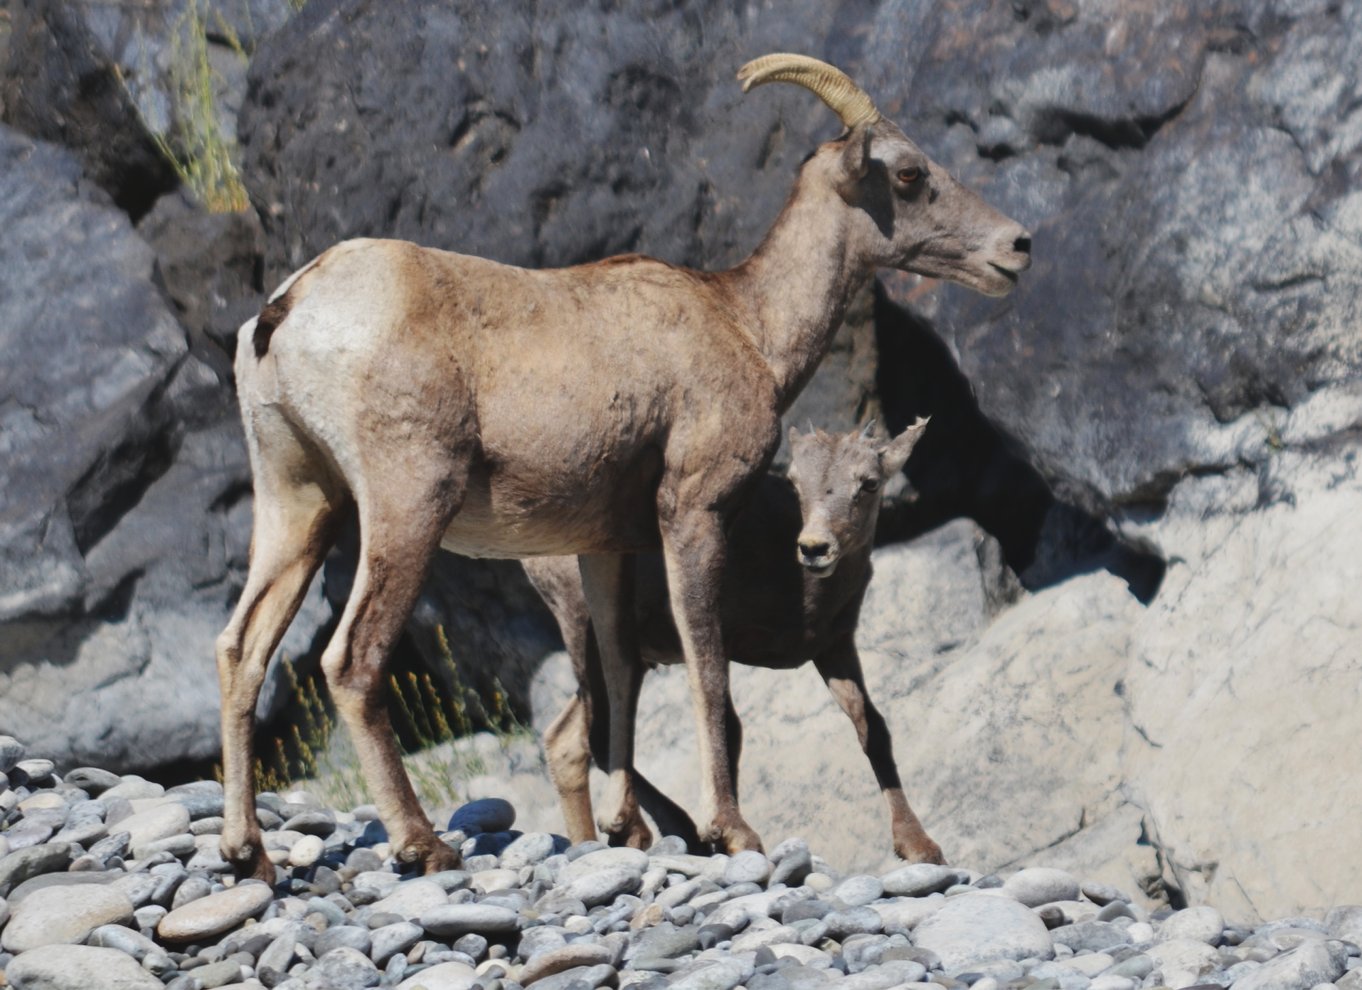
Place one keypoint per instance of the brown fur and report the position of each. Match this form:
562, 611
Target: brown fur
596, 411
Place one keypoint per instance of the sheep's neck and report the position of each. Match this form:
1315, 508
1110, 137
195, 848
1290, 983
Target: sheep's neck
797, 285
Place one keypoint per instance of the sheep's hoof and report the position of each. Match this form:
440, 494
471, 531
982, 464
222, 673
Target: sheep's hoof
431, 855
249, 862
733, 837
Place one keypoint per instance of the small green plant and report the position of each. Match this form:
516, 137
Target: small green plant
427, 721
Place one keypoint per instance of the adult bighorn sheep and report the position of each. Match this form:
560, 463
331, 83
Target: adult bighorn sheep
598, 410
778, 608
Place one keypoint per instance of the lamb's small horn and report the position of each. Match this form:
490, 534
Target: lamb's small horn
833, 86
869, 430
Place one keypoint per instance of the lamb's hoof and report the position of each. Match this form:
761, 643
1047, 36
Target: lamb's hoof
635, 835
919, 849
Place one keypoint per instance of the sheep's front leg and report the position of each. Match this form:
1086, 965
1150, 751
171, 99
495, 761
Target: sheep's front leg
608, 581
693, 547
840, 667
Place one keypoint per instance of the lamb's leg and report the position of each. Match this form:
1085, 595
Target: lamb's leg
693, 547
400, 530
608, 581
840, 667
568, 751
294, 526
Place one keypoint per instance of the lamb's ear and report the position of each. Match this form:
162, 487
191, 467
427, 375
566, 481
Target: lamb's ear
896, 451
855, 162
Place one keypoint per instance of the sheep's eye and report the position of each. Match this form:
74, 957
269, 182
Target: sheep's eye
870, 485
911, 174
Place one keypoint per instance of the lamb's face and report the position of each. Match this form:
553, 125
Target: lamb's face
838, 479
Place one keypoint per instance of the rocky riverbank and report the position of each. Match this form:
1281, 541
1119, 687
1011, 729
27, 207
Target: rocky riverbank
115, 882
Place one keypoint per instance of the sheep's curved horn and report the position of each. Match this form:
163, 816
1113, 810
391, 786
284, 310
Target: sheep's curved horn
831, 85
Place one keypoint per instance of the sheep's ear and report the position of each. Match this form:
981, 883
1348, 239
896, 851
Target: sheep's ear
792, 435
855, 162
896, 451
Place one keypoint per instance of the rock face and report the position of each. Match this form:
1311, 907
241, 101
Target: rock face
1137, 666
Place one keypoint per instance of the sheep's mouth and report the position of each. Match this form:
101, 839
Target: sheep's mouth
1011, 275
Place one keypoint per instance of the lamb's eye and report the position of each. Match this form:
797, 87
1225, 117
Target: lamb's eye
870, 485
911, 174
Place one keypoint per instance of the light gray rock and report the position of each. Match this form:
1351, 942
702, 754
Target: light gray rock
443, 976
603, 885
859, 890
453, 920
64, 915
22, 864
411, 899
528, 849
1183, 961
161, 822
1203, 923
389, 940
216, 913
917, 880
78, 967
1302, 968
1035, 886
748, 866
979, 927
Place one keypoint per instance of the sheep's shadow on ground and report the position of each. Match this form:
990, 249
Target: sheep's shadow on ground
966, 466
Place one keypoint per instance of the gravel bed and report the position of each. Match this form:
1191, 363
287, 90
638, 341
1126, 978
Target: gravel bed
116, 883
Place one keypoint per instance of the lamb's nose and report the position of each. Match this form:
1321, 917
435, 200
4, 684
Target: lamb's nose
812, 549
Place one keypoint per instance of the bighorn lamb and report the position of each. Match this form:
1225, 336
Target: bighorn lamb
779, 607
598, 410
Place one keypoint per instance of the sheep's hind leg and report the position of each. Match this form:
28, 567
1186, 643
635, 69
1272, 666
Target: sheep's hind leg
294, 526
400, 531
840, 668
608, 581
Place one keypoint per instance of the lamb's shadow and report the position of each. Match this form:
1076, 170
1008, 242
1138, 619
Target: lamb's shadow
965, 466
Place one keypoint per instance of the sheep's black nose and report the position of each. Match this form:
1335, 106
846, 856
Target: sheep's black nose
1022, 245
812, 550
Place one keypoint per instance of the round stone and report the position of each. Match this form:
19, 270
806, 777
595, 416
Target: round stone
485, 815
11, 752
528, 849
565, 958
64, 915
1039, 885
411, 899
917, 880
622, 857
306, 851
748, 866
603, 886
1202, 923
160, 822
858, 890
442, 976
460, 919
78, 967
392, 939
216, 913
982, 927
